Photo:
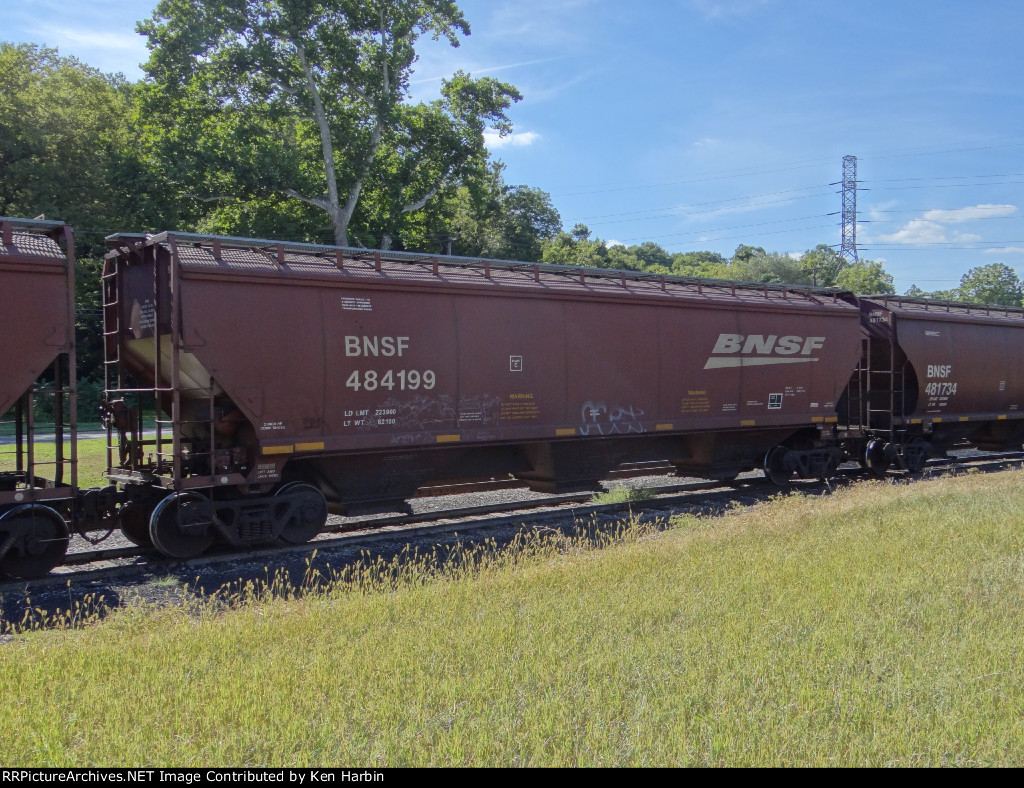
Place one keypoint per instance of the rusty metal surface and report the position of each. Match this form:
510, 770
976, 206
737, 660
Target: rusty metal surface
325, 354
965, 358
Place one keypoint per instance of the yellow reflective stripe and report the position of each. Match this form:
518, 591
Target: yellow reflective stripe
664, 427
570, 431
318, 446
278, 449
449, 438
747, 423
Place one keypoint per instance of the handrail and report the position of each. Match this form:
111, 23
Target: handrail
275, 251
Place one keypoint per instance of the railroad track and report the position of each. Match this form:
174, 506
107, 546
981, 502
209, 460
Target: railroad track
359, 533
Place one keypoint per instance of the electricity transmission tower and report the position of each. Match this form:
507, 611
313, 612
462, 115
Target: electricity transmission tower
849, 247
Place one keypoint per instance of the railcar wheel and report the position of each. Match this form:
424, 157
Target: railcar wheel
181, 525
133, 519
915, 455
876, 459
36, 540
308, 514
778, 471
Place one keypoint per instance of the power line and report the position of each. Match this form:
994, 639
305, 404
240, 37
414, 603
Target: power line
584, 189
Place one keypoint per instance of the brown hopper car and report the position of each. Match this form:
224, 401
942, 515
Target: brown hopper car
935, 375
364, 375
37, 311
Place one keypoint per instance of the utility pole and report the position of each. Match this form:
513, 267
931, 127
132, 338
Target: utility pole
848, 250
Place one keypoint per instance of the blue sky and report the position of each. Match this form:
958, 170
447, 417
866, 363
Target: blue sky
703, 124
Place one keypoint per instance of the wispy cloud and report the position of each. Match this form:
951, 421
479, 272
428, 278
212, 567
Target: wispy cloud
484, 70
95, 38
544, 22
517, 139
969, 213
931, 227
1006, 250
922, 231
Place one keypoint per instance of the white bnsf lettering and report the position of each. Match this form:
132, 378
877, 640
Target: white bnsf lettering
376, 346
739, 350
939, 388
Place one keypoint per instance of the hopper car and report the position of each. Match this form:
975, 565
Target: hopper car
254, 386
37, 310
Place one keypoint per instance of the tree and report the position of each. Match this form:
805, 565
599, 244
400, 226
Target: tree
306, 99
707, 265
995, 283
937, 295
651, 254
69, 150
744, 253
865, 277
823, 264
488, 218
757, 265
576, 249
65, 141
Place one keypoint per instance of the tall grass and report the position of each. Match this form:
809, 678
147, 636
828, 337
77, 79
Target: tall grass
878, 626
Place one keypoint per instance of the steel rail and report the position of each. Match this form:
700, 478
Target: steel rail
365, 531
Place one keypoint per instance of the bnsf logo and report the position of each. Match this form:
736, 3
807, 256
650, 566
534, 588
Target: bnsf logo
756, 350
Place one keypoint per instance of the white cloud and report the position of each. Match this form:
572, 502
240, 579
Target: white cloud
517, 139
610, 243
970, 213
1006, 250
932, 227
922, 231
477, 71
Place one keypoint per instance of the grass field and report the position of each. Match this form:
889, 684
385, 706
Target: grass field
92, 460
878, 626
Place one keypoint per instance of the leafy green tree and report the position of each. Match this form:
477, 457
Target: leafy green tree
744, 253
488, 218
66, 144
706, 265
576, 249
865, 277
69, 150
580, 232
306, 100
995, 283
625, 257
651, 254
938, 295
823, 264
769, 267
